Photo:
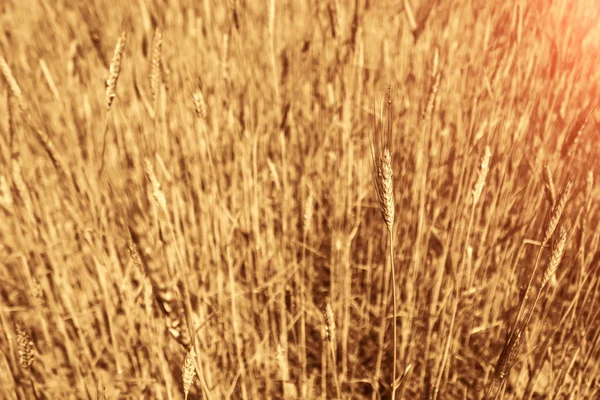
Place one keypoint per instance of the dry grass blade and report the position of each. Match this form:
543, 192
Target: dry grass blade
11, 123
234, 12
309, 209
428, 110
22, 190
53, 154
49, 80
589, 188
483, 171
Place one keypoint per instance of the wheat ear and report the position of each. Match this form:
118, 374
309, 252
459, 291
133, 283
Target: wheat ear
111, 89
155, 64
557, 211
188, 371
511, 351
115, 69
330, 333
549, 185
12, 83
25, 347
199, 104
558, 250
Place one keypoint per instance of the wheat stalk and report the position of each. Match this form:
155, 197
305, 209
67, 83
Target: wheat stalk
558, 250
165, 291
49, 80
384, 187
111, 89
514, 339
551, 224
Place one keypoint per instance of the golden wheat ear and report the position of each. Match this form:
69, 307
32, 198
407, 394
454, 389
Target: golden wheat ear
381, 154
558, 250
24, 347
557, 211
510, 353
188, 371
549, 188
329, 323
114, 69
155, 64
15, 89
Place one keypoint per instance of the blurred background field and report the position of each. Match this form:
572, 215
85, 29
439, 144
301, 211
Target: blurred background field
219, 194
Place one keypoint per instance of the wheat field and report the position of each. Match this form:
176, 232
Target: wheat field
299, 199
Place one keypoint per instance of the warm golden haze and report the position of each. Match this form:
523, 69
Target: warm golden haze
299, 199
